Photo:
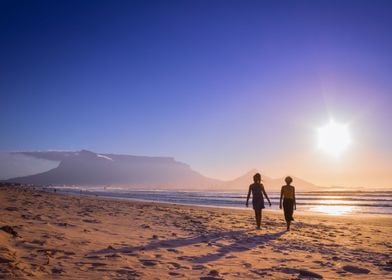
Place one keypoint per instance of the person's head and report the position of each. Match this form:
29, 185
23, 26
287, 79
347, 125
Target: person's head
288, 180
257, 178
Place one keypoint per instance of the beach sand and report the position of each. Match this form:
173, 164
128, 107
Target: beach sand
53, 236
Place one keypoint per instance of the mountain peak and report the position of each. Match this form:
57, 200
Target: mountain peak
87, 153
253, 171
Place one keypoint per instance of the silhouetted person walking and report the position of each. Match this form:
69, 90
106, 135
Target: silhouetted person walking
257, 190
288, 195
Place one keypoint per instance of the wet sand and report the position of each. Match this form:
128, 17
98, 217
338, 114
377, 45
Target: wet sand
54, 236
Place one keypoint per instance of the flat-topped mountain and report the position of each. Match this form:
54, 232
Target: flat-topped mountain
86, 168
89, 168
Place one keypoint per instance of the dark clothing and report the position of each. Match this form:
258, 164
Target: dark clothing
288, 207
258, 217
257, 196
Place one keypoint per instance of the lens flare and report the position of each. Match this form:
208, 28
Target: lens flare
333, 138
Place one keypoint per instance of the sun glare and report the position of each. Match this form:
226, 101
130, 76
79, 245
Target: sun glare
333, 138
334, 210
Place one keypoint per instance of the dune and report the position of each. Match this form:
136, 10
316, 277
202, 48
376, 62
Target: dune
47, 235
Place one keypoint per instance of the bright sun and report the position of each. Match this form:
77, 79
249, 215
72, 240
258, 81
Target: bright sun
333, 138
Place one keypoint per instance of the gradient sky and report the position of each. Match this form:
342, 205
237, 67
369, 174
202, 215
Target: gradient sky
224, 86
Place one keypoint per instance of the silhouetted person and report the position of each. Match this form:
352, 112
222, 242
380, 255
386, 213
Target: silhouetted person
257, 190
288, 195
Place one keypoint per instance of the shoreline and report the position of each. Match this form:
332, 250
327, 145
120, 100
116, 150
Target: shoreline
88, 237
272, 209
354, 216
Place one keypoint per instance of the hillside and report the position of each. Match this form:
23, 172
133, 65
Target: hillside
89, 168
86, 168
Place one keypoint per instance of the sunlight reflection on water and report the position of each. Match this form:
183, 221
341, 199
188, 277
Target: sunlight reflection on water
334, 209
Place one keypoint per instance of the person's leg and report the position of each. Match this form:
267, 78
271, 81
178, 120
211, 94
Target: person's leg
286, 213
290, 210
259, 219
286, 217
257, 216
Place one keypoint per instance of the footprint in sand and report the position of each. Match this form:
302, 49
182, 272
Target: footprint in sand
92, 221
310, 274
129, 272
98, 264
173, 273
38, 242
149, 262
57, 270
113, 256
175, 265
4, 259
210, 278
335, 258
230, 257
212, 275
92, 257
173, 250
198, 267
355, 269
64, 225
260, 271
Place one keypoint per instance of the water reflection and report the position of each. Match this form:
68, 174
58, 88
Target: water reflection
334, 209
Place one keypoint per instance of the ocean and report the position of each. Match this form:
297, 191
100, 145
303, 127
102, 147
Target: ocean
333, 203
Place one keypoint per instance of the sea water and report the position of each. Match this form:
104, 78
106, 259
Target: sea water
333, 203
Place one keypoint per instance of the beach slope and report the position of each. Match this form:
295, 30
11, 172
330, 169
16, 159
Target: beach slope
48, 235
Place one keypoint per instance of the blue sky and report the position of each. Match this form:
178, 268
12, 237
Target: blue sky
222, 85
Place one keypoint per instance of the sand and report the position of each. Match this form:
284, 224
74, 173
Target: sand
59, 236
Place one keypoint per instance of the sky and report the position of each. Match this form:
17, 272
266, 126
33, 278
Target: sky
225, 86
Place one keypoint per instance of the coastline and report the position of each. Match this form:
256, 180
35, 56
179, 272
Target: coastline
87, 237
366, 204
318, 215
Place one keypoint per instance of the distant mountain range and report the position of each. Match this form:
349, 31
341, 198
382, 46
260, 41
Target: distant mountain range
86, 168
273, 184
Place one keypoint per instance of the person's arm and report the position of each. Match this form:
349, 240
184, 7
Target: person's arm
281, 197
247, 198
295, 203
266, 196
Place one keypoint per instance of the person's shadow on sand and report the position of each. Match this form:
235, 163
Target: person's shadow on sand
240, 244
239, 241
